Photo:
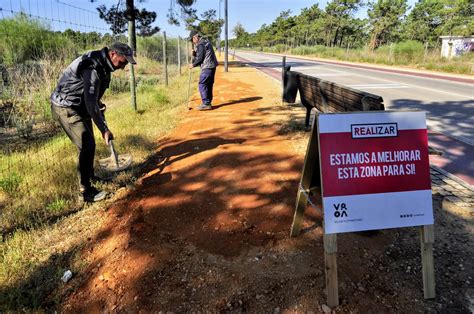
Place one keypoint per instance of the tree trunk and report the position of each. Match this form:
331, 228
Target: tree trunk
132, 42
334, 41
342, 37
132, 39
373, 41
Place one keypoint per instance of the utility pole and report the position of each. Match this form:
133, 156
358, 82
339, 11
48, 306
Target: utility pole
132, 42
220, 31
226, 53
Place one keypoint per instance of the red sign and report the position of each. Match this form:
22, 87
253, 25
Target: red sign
375, 170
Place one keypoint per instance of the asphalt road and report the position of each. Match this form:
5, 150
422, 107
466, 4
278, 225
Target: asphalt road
448, 101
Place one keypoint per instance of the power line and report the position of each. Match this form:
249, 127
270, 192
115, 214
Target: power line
78, 8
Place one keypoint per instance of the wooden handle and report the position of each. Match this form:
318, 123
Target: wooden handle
113, 154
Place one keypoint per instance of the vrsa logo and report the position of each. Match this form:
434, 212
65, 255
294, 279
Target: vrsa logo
340, 210
374, 130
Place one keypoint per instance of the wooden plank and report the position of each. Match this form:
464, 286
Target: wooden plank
301, 202
311, 160
339, 107
330, 243
339, 97
330, 262
427, 240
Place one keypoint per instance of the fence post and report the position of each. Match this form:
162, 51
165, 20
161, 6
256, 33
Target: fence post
187, 53
179, 56
426, 52
427, 240
226, 54
283, 66
132, 42
165, 63
390, 53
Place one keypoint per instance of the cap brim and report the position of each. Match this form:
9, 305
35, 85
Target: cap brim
130, 59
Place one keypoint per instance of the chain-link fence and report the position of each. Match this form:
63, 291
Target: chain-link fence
38, 39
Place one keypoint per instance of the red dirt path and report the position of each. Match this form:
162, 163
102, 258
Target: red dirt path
207, 227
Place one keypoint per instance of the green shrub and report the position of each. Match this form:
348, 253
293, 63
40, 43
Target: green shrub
152, 48
11, 183
279, 48
57, 206
22, 39
161, 98
408, 51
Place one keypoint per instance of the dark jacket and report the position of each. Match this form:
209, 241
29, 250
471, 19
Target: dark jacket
83, 84
205, 56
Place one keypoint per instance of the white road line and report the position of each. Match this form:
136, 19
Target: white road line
331, 74
378, 86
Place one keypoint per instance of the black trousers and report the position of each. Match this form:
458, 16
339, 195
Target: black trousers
78, 127
206, 82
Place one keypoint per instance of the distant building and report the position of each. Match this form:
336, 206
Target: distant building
452, 46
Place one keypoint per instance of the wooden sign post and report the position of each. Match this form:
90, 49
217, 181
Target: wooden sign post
371, 170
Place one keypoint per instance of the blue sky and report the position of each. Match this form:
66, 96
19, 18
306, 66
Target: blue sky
252, 14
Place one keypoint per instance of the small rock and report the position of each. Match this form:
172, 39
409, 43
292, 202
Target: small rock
66, 276
361, 288
326, 309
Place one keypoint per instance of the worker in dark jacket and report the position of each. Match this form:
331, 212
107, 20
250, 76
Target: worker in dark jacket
75, 103
205, 57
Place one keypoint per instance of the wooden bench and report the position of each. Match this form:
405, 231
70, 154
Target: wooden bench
326, 96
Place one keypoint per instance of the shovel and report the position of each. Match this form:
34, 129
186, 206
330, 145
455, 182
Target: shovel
115, 162
189, 90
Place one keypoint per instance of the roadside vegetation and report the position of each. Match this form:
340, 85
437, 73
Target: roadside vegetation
409, 54
391, 34
43, 223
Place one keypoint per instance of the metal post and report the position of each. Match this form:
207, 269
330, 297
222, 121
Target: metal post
283, 66
426, 52
132, 42
179, 56
187, 53
220, 31
165, 63
226, 53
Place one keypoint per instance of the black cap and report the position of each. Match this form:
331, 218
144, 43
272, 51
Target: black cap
192, 34
124, 50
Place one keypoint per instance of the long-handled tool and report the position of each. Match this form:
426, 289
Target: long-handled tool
189, 89
115, 162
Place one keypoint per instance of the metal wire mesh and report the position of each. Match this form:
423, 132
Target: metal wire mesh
38, 39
